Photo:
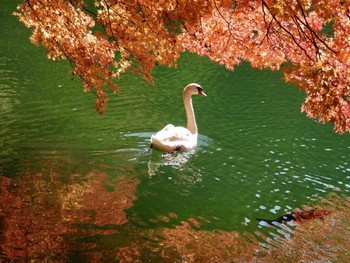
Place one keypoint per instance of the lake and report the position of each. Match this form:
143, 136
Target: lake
85, 186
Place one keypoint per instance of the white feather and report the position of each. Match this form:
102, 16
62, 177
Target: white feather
172, 138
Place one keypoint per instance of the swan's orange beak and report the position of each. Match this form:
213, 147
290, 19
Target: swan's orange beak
201, 92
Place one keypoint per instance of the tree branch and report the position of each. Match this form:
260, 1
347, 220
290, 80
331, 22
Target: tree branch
287, 31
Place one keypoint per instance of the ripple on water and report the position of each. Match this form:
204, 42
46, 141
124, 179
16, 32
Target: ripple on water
9, 100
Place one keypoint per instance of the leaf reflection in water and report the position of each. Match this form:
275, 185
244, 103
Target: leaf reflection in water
44, 214
75, 216
323, 239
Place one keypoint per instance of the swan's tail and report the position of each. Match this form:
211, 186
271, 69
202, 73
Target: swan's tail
161, 146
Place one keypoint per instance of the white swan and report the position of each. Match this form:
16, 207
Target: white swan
172, 138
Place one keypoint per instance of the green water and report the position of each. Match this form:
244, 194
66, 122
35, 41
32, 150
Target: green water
258, 156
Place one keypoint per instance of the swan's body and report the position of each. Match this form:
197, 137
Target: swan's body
172, 138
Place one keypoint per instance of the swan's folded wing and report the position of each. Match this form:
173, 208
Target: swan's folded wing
166, 133
171, 138
172, 133
182, 134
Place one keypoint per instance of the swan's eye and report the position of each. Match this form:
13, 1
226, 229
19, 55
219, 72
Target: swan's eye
201, 92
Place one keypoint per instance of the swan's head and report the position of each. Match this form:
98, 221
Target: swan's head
194, 88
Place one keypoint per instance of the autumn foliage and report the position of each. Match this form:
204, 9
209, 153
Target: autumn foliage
112, 37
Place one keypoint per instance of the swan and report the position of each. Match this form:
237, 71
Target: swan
172, 138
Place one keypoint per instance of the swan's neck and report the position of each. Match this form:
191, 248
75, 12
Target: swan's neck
191, 119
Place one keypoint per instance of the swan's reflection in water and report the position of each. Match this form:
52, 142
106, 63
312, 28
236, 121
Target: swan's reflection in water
176, 160
181, 167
